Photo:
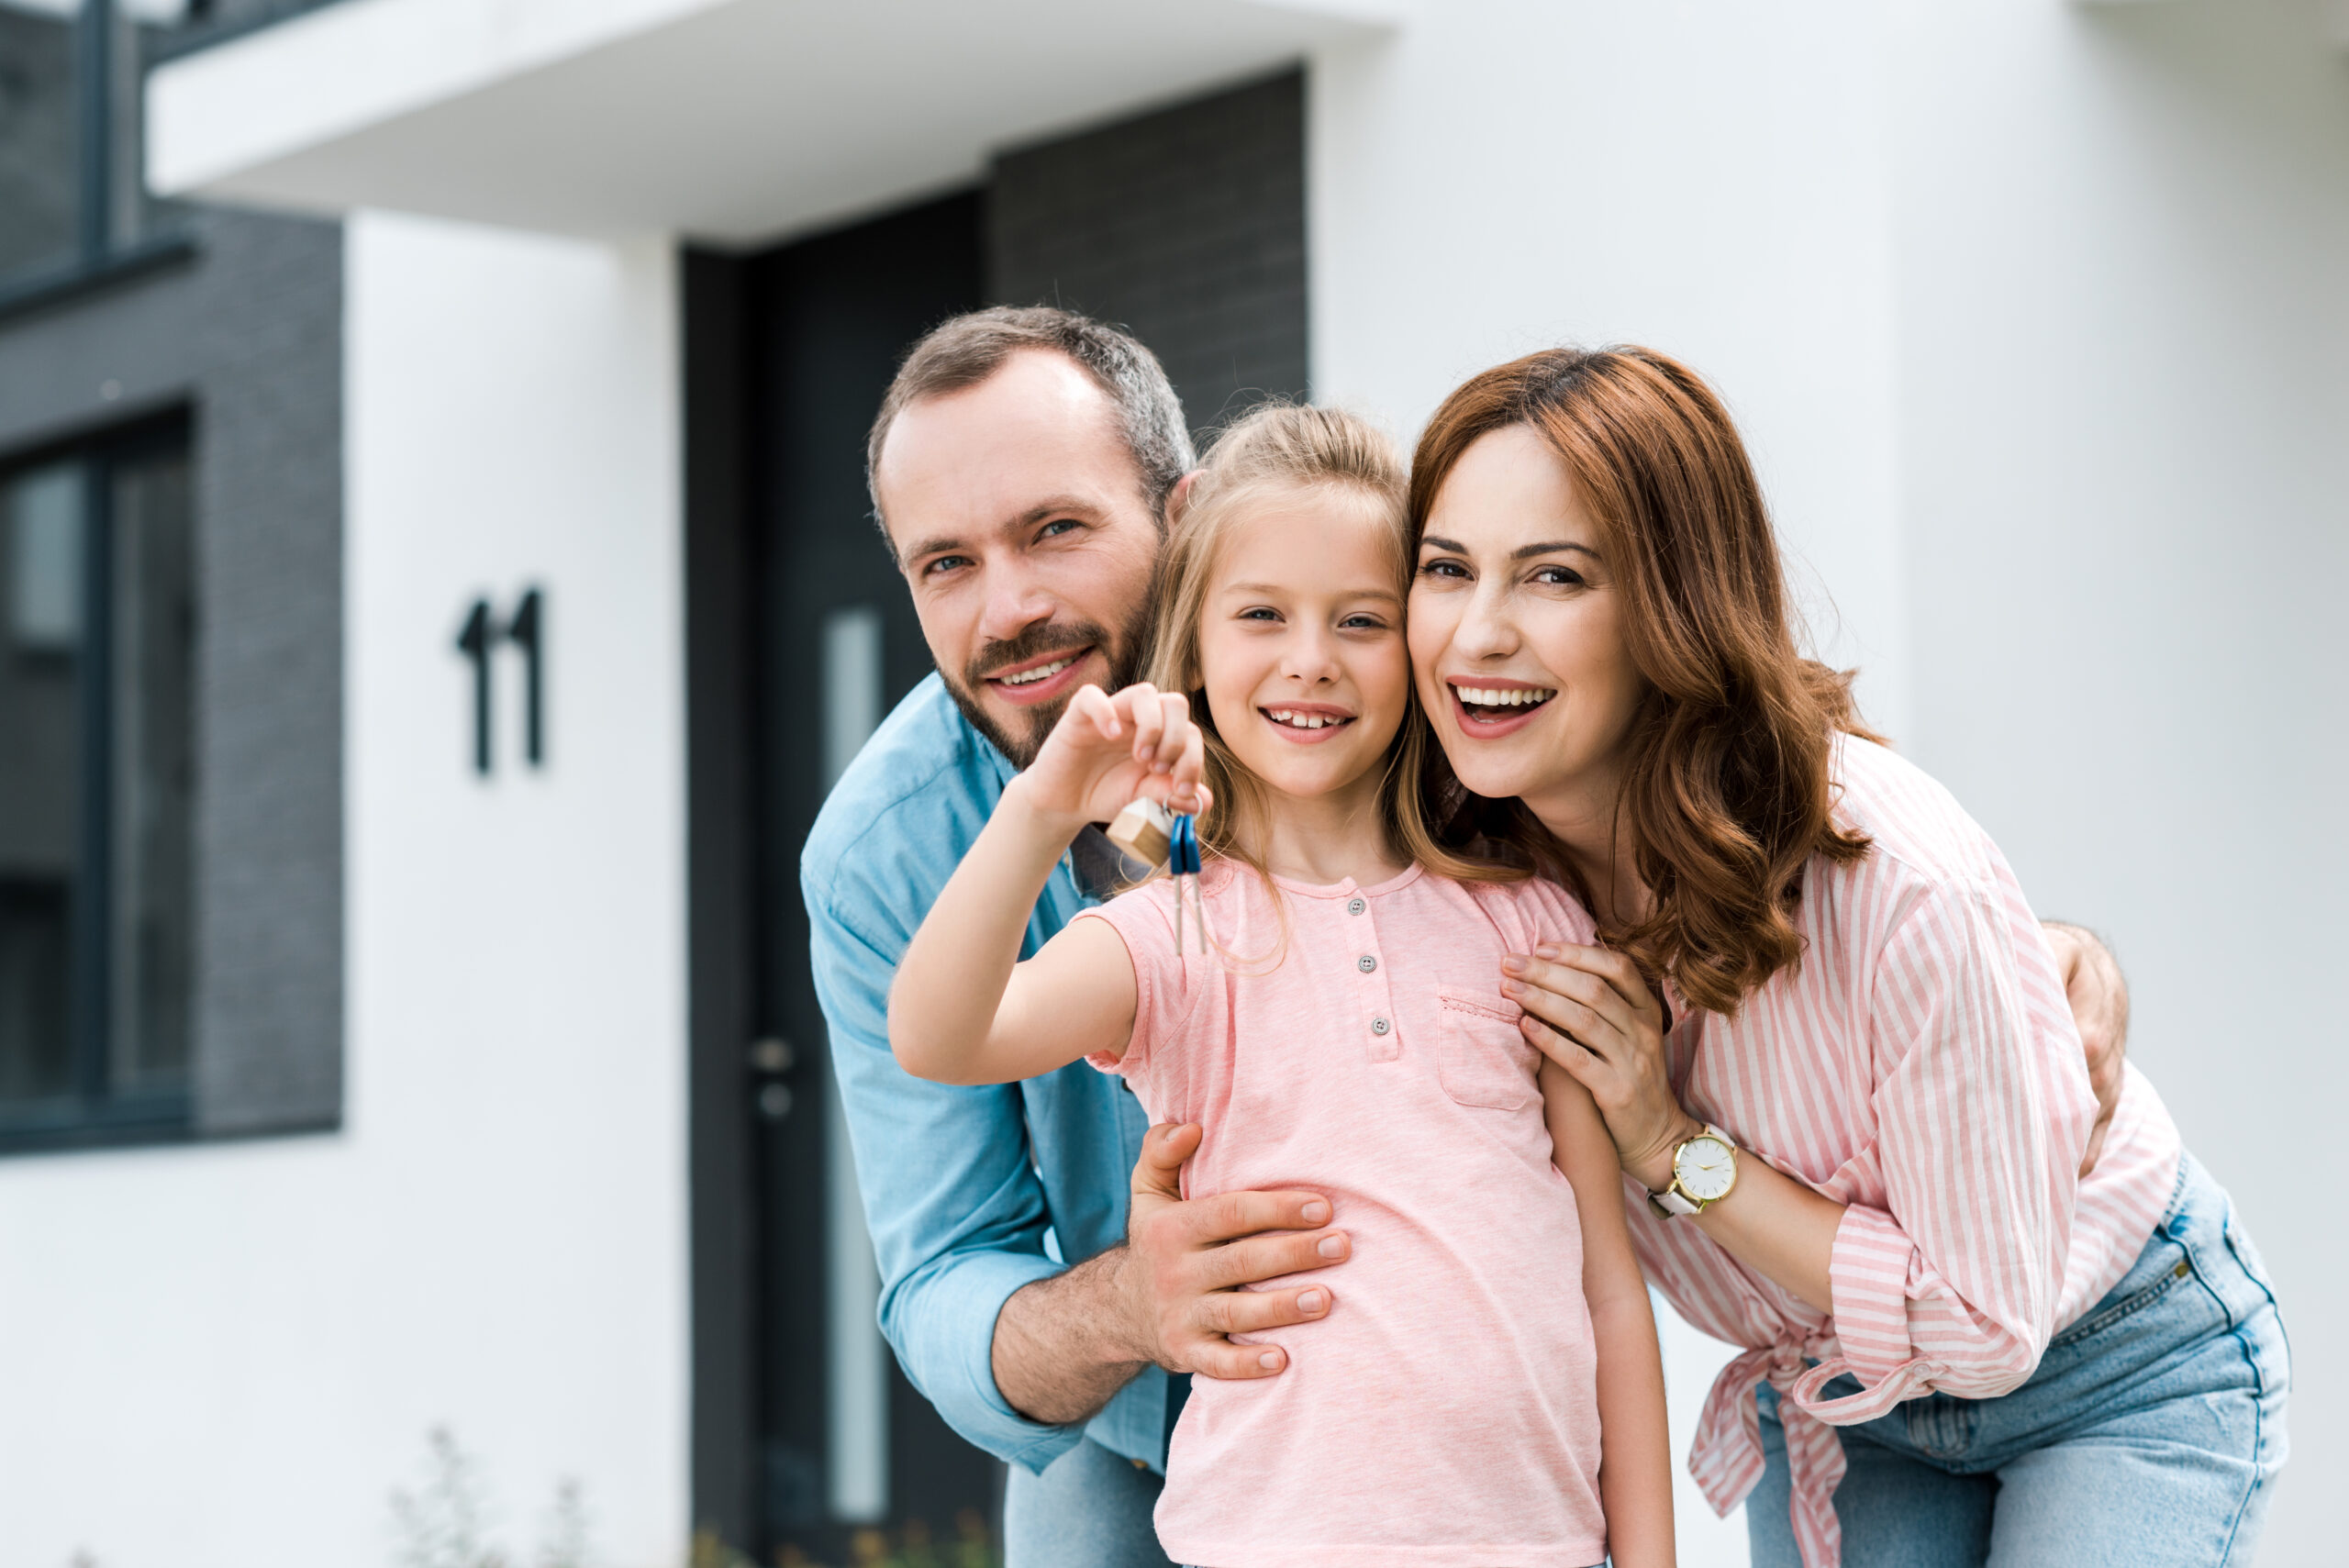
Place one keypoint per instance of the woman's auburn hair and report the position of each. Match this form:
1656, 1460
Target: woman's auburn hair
1265, 456
1727, 784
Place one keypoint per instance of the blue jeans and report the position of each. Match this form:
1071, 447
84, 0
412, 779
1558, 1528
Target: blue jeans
2150, 1435
1089, 1509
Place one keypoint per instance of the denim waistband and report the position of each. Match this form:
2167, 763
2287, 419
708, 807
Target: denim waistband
2199, 1296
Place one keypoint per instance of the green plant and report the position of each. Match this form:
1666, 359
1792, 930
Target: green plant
914, 1547
564, 1544
445, 1523
710, 1551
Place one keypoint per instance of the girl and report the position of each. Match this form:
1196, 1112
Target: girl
1329, 1007
1828, 1037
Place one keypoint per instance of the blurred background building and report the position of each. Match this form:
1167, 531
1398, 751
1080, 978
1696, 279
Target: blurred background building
436, 591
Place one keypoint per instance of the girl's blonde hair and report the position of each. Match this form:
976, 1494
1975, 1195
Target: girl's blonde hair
1270, 453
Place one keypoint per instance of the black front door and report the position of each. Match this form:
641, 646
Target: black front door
1186, 224
845, 1447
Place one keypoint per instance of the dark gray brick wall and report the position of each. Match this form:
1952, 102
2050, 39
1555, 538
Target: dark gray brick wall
248, 335
1185, 225
39, 141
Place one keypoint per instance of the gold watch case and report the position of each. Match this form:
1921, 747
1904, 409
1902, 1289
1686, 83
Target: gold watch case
1681, 1167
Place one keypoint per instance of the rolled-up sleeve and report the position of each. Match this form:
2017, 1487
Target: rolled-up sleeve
953, 1203
1981, 1108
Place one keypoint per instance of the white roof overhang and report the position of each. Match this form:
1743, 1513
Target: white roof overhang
726, 120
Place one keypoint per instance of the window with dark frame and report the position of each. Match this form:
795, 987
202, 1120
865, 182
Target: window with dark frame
73, 205
96, 781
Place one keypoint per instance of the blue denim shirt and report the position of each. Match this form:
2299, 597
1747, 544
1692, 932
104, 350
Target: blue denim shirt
961, 1185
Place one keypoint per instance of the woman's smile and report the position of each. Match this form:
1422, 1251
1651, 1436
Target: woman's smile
1487, 707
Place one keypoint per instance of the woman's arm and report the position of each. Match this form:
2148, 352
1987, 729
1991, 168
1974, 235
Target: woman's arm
1951, 1280
1588, 1010
962, 1008
1635, 1444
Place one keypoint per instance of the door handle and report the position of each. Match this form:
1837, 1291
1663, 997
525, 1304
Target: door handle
770, 1057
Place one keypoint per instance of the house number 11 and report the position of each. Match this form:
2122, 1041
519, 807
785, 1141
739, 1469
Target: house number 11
478, 640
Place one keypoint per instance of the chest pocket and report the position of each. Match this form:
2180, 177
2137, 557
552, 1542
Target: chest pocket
1481, 1058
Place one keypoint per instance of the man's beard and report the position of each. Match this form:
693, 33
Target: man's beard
1123, 651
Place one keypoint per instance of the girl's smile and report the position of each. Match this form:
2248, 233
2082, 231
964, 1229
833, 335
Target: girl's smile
1306, 724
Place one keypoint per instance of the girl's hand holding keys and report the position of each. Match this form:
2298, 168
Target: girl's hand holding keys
1107, 749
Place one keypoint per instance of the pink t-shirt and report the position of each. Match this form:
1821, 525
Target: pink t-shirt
1446, 1411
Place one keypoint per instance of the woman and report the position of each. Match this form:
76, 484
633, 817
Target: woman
1826, 1032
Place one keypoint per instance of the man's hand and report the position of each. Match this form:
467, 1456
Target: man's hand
2100, 998
1186, 1263
1171, 1296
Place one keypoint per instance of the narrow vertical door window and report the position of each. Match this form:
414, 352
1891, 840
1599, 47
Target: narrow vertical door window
858, 1394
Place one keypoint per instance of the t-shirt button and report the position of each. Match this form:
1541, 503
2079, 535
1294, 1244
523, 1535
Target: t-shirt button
1355, 905
1365, 963
1379, 1026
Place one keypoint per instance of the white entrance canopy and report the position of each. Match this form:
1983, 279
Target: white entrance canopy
726, 120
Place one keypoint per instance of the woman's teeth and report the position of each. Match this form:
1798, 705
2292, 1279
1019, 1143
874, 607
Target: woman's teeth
1295, 720
1041, 672
1486, 696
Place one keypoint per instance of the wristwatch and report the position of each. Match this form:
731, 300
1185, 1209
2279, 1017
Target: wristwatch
1704, 1172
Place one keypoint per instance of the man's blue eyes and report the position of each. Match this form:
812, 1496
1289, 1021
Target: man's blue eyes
1053, 529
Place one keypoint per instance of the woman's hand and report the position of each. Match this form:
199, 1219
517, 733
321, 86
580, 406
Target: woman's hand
1107, 749
1587, 1010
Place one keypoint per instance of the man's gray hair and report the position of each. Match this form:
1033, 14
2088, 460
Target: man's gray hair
967, 349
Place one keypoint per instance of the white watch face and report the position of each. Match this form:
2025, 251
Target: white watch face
1707, 1169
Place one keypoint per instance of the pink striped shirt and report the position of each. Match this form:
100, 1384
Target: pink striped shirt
1921, 1066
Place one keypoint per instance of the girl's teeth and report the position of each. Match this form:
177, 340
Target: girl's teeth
1301, 720
1029, 677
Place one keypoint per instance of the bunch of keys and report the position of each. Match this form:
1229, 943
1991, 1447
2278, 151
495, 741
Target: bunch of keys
1155, 836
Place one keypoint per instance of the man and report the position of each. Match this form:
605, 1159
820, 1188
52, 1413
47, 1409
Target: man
1021, 465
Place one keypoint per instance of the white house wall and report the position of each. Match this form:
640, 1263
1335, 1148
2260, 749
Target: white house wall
229, 1356
2125, 501
2032, 312
1503, 175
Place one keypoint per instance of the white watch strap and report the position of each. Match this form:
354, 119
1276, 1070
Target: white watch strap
1671, 1205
